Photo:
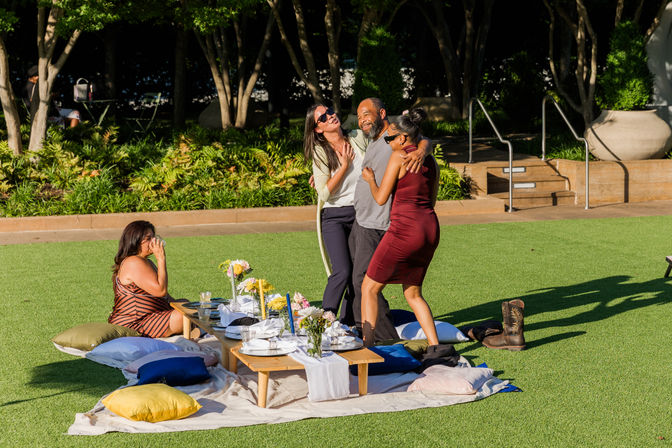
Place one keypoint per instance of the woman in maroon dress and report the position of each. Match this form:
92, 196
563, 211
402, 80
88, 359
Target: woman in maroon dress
141, 299
406, 249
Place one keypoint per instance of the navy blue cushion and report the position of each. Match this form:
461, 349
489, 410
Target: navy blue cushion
174, 371
400, 317
397, 359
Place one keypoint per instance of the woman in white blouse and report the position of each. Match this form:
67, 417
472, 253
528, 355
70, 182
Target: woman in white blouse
337, 164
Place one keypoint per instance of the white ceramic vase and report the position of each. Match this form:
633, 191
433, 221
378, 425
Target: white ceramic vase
629, 135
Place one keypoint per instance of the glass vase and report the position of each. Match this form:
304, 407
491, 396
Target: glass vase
315, 343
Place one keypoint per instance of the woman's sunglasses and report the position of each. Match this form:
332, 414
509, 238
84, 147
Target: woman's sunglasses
323, 118
389, 138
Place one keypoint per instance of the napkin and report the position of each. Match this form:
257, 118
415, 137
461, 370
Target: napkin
265, 344
226, 316
338, 340
336, 329
267, 328
247, 305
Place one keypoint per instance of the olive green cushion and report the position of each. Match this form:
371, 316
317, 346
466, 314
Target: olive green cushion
417, 347
88, 336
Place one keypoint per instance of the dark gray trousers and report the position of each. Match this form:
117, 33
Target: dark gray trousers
336, 226
363, 243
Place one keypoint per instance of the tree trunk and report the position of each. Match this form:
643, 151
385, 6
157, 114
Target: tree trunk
311, 80
9, 103
439, 27
332, 24
244, 99
208, 44
110, 75
47, 71
180, 87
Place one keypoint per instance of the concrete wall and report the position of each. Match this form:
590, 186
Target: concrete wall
224, 216
625, 181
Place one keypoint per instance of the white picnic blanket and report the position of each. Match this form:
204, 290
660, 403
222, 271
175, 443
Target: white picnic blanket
230, 400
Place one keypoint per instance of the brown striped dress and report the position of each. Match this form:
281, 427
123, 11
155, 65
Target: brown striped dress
137, 309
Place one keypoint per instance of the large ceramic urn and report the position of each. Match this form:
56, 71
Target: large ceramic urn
629, 135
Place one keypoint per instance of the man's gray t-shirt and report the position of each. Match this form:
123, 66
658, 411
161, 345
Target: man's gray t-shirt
367, 211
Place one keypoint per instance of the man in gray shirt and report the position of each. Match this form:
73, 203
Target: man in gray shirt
371, 219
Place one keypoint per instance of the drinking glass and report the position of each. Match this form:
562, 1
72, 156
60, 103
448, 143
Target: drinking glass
205, 297
245, 334
204, 313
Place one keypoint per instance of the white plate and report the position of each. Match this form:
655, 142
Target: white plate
267, 352
194, 305
218, 328
235, 336
352, 345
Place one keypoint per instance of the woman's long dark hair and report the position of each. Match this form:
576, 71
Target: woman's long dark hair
312, 138
130, 241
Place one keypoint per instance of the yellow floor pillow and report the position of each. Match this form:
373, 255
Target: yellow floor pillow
151, 403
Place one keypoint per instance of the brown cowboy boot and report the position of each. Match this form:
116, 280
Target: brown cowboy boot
512, 337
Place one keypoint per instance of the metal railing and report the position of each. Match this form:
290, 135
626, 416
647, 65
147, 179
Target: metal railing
543, 137
508, 143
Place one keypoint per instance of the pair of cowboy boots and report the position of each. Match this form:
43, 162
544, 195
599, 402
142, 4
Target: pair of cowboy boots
511, 338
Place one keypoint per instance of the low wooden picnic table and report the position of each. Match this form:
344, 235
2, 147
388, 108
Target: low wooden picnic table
264, 365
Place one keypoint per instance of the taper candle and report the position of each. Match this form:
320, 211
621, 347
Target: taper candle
261, 300
291, 314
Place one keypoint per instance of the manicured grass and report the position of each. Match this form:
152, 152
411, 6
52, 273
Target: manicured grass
596, 372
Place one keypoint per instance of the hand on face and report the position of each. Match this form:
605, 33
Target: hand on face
156, 247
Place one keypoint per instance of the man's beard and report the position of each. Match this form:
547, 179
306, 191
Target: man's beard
375, 129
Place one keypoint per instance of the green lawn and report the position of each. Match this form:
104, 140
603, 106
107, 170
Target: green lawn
596, 372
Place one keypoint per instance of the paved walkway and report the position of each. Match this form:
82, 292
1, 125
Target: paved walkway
652, 208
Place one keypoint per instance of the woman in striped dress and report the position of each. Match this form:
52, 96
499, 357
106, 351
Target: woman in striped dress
141, 299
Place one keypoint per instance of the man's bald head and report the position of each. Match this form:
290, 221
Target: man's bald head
372, 117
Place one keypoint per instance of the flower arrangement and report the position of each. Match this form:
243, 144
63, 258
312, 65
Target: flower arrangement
312, 320
299, 302
236, 268
251, 285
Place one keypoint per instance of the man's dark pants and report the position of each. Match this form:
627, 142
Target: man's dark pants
363, 243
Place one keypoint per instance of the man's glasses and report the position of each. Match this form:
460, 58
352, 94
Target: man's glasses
389, 138
323, 118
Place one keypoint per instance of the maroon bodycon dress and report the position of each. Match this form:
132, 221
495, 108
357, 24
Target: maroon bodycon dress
406, 249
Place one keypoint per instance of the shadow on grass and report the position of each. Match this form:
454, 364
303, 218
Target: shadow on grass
608, 296
79, 376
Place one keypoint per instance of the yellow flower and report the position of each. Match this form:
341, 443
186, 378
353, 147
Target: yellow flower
277, 304
237, 269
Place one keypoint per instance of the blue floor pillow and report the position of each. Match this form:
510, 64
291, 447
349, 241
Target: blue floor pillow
396, 359
174, 371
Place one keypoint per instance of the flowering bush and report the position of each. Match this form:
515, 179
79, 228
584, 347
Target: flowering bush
235, 268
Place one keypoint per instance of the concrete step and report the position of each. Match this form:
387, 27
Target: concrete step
531, 199
546, 184
537, 170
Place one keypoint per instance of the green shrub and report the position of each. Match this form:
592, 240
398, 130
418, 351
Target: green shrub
452, 186
379, 71
626, 83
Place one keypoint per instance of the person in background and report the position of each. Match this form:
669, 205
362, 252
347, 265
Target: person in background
141, 299
66, 117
